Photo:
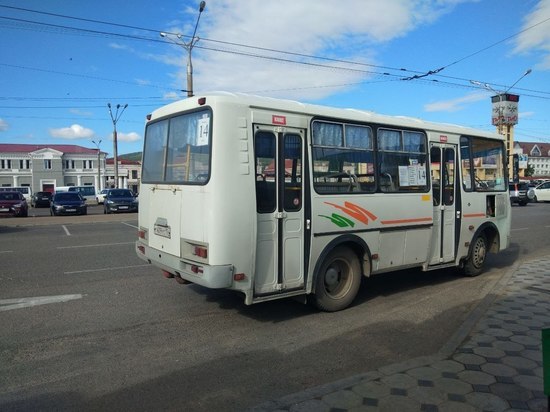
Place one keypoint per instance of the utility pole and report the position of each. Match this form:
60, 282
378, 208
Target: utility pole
189, 47
98, 165
115, 119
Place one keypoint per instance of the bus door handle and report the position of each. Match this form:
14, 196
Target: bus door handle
280, 215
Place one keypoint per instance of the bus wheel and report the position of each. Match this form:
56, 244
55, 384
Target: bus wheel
476, 260
338, 280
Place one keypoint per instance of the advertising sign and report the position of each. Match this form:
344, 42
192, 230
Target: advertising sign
505, 109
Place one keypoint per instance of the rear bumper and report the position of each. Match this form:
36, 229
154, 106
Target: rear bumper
214, 277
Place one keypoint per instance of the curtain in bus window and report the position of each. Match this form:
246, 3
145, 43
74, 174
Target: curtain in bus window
328, 134
414, 142
154, 151
389, 140
358, 137
266, 171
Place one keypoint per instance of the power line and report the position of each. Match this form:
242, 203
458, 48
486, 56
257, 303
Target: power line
417, 75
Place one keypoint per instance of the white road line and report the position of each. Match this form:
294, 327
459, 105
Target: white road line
66, 230
75, 272
520, 229
95, 245
128, 224
6, 251
11, 304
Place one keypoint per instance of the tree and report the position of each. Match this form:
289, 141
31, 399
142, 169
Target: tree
530, 171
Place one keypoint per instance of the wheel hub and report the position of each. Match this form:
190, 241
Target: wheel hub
331, 277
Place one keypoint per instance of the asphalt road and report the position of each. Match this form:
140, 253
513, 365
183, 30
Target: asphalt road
86, 325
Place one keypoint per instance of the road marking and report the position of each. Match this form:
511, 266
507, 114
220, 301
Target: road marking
519, 229
11, 304
6, 251
75, 272
95, 245
66, 230
128, 224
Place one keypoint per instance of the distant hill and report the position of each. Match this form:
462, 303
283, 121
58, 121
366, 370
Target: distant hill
135, 157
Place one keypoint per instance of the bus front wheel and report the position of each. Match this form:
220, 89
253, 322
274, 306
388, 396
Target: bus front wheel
338, 280
475, 262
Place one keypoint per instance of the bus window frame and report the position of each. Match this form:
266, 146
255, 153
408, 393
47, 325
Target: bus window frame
166, 146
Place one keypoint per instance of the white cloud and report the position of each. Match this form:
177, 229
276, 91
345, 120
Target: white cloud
536, 37
455, 105
3, 125
72, 132
349, 30
127, 137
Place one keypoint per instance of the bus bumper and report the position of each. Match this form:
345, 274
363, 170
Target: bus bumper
214, 277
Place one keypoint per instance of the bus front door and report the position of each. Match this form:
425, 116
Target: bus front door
279, 154
446, 214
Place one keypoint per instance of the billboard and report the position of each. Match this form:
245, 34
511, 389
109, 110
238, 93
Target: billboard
505, 109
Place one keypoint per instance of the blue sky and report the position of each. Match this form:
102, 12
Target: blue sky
63, 61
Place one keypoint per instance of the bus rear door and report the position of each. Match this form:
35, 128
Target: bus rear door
446, 210
279, 154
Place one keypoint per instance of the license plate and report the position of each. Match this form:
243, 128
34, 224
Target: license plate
4, 209
70, 210
163, 231
123, 207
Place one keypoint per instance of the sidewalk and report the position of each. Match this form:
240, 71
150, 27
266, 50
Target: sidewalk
492, 363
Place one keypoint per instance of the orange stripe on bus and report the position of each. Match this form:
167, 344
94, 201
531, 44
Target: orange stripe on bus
475, 215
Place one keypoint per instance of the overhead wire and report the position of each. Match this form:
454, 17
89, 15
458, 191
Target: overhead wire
416, 75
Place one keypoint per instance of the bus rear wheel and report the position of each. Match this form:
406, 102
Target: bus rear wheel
338, 280
475, 262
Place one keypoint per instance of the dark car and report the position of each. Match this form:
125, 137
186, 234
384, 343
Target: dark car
13, 204
521, 193
41, 199
120, 200
68, 203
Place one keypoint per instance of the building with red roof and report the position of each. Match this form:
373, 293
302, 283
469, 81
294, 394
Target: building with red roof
43, 167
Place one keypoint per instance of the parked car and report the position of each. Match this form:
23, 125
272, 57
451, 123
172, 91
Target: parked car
41, 199
542, 192
521, 193
13, 204
120, 200
100, 197
68, 203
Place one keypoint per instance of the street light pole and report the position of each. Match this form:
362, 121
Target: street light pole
98, 165
115, 119
189, 47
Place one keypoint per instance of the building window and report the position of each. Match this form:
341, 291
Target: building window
24, 164
88, 164
47, 164
134, 174
69, 164
5, 164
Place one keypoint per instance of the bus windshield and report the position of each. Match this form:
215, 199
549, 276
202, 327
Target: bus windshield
177, 149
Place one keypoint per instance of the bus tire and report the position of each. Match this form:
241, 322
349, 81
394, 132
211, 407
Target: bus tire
475, 262
338, 280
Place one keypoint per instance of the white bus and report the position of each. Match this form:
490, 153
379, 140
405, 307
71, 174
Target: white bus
275, 198
87, 192
26, 191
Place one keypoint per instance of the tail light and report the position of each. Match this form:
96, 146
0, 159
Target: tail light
201, 252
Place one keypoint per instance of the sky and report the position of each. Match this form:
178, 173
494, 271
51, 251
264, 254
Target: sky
62, 62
